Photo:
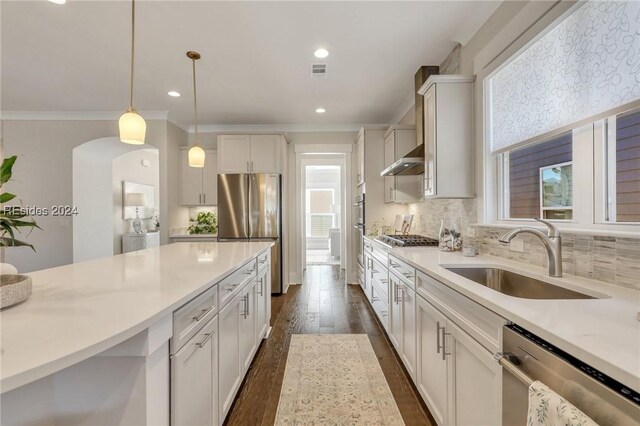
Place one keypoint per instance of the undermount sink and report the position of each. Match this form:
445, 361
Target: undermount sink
517, 285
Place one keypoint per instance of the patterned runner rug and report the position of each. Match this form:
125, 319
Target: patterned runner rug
335, 379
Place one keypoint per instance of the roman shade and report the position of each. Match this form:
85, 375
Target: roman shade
587, 65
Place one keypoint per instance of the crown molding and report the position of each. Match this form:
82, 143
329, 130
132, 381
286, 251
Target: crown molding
279, 128
76, 115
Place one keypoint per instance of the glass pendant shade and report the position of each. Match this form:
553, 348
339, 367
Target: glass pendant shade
132, 128
196, 156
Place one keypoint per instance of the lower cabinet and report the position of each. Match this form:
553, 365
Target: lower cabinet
263, 290
194, 381
248, 342
402, 323
230, 370
431, 378
457, 377
395, 318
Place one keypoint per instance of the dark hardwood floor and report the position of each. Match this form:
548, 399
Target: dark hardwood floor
322, 304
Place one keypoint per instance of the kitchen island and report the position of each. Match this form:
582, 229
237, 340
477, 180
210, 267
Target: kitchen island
92, 343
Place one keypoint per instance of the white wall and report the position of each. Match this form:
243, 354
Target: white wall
43, 177
128, 167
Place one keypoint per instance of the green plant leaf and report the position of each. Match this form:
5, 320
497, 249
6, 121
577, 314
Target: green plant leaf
10, 242
5, 169
6, 197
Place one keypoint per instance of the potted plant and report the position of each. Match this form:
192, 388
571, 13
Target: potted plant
13, 288
204, 223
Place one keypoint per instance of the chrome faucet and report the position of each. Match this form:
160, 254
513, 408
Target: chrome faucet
552, 242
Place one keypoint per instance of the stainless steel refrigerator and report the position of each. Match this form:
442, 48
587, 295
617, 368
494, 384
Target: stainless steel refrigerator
249, 207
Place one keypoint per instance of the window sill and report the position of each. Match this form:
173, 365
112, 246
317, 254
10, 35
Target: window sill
617, 230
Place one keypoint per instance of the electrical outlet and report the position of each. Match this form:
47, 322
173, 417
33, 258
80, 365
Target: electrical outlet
517, 245
471, 232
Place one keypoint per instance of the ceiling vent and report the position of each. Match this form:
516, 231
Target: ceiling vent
318, 70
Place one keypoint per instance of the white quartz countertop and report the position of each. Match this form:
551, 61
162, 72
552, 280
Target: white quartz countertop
79, 310
604, 332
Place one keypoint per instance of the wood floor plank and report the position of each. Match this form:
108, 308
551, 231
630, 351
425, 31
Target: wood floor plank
323, 304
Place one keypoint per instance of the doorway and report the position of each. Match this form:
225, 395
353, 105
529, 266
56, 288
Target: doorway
323, 216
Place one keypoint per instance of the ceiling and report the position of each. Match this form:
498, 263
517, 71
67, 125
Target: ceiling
256, 57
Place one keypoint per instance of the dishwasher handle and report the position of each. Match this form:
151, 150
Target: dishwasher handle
510, 362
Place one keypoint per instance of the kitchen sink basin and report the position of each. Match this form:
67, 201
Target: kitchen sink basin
517, 285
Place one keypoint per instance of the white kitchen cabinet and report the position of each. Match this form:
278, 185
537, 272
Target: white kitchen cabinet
409, 330
476, 381
398, 142
457, 377
250, 153
248, 343
230, 364
263, 290
449, 136
368, 267
431, 378
395, 317
234, 153
194, 381
199, 185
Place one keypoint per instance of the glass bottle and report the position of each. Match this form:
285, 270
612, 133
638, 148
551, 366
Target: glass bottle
450, 237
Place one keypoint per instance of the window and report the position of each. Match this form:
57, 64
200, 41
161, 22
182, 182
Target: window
539, 181
586, 177
320, 216
622, 163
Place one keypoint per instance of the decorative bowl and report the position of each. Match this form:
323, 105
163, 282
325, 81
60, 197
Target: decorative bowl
14, 289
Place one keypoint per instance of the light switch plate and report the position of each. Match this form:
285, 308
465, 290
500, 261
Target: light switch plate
517, 245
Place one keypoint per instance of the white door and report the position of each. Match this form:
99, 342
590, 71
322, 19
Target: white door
431, 378
395, 316
234, 153
409, 330
210, 178
476, 382
430, 140
262, 291
248, 325
190, 181
192, 374
229, 374
265, 154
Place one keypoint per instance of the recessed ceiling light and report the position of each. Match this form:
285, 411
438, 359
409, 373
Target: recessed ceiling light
321, 53
321, 110
173, 94
58, 1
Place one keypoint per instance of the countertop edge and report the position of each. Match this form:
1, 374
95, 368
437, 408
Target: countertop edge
41, 371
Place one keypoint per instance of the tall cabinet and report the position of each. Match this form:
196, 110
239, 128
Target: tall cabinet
449, 136
250, 153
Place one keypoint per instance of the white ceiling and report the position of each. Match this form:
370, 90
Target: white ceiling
256, 56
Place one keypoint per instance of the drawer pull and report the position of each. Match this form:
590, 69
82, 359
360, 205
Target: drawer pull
438, 337
204, 313
231, 287
444, 350
206, 339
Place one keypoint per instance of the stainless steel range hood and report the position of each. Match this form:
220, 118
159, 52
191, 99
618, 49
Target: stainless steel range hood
409, 165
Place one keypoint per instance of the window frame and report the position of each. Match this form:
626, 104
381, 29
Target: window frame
541, 191
591, 183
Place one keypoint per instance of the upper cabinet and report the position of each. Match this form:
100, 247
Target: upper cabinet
199, 185
398, 141
448, 136
250, 153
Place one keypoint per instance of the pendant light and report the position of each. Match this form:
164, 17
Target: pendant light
132, 125
196, 153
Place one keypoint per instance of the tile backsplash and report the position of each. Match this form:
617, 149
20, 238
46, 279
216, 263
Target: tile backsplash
613, 260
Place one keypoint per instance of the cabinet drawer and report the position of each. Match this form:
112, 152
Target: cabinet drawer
482, 324
368, 245
381, 291
232, 285
380, 305
380, 253
190, 318
379, 273
263, 260
403, 270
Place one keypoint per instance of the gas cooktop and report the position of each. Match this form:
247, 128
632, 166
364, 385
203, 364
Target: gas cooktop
408, 240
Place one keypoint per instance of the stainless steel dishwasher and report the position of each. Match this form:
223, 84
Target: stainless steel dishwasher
527, 358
